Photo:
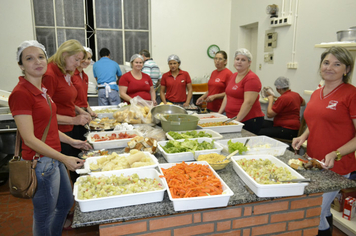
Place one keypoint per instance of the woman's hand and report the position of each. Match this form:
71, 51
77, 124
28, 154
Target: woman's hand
200, 101
297, 142
186, 104
82, 119
329, 160
79, 144
154, 102
73, 163
210, 98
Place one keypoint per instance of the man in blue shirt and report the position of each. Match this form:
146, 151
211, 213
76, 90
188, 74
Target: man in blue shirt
107, 74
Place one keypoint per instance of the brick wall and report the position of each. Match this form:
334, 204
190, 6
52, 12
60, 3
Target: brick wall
292, 216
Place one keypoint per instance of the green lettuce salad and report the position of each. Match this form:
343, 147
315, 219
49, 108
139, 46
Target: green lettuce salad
173, 146
189, 134
236, 146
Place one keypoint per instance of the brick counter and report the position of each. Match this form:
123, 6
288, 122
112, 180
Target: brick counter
284, 216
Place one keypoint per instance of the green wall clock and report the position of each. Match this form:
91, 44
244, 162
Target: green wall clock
212, 50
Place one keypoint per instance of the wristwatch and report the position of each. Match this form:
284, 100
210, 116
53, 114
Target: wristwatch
338, 156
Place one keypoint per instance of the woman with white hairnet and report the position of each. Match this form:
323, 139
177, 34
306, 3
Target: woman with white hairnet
33, 109
174, 84
135, 83
285, 110
242, 94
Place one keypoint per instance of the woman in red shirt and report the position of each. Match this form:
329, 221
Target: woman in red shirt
174, 84
217, 83
29, 105
135, 83
242, 94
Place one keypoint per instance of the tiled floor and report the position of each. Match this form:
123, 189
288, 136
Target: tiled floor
16, 218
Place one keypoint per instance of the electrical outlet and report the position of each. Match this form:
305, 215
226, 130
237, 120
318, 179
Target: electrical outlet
292, 65
281, 21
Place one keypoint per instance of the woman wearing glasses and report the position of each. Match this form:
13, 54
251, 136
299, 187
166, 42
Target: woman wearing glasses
217, 83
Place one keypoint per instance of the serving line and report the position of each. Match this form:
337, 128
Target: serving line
241, 195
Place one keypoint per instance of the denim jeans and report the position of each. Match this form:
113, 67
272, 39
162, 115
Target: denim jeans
113, 99
328, 198
53, 198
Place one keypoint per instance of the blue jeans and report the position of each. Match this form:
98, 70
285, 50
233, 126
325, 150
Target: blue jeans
53, 198
113, 99
328, 198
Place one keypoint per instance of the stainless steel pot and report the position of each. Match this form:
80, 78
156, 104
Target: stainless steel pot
346, 35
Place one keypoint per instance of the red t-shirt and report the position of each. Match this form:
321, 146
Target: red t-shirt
137, 87
287, 107
176, 88
80, 82
235, 95
217, 84
26, 99
62, 93
330, 123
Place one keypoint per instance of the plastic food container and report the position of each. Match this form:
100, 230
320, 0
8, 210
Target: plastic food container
223, 128
187, 156
118, 143
179, 122
259, 145
211, 117
4, 98
122, 200
97, 110
193, 203
269, 190
90, 160
214, 134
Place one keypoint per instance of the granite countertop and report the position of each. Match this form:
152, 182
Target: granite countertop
322, 181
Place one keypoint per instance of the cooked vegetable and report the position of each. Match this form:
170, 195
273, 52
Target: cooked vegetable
189, 134
194, 180
173, 146
218, 123
236, 146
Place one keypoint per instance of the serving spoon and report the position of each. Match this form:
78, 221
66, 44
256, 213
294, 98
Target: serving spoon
233, 153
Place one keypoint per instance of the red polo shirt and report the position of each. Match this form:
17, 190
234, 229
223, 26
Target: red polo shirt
62, 93
217, 84
80, 82
26, 99
137, 87
176, 88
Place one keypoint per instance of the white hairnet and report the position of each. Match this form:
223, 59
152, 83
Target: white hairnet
173, 57
136, 56
26, 44
244, 52
281, 82
88, 50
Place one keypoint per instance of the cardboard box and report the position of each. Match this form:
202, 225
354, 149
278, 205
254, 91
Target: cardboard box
349, 208
338, 204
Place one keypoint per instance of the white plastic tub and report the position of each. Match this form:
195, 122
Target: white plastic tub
4, 98
122, 200
214, 134
223, 128
97, 109
193, 203
188, 156
259, 145
211, 117
91, 160
269, 190
118, 143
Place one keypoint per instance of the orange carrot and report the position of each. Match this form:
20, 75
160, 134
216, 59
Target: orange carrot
192, 180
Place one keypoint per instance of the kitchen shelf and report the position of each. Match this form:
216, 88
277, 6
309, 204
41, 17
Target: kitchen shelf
349, 45
346, 226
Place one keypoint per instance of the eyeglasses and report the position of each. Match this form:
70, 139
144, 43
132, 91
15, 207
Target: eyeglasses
219, 59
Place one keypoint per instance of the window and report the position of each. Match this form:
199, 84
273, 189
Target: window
122, 26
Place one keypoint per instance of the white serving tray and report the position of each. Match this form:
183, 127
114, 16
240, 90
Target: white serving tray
193, 203
217, 117
90, 160
119, 143
214, 134
4, 98
122, 200
188, 156
269, 190
256, 147
102, 115
223, 128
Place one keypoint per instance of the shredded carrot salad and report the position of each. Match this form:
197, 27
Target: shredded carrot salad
193, 180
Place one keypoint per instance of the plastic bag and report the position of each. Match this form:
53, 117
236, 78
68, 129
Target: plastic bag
140, 111
148, 131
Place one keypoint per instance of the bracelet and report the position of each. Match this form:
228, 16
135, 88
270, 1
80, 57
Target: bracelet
338, 155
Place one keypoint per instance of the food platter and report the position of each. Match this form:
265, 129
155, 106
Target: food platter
117, 143
237, 127
214, 135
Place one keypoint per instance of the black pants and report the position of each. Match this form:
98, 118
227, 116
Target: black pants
277, 132
253, 125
